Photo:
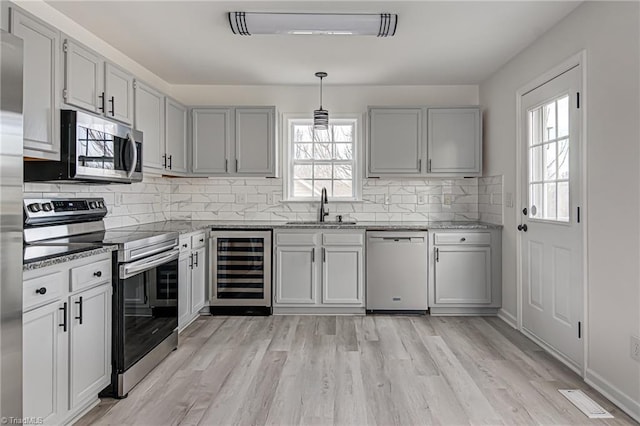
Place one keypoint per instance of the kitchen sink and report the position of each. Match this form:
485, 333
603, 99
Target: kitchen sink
318, 223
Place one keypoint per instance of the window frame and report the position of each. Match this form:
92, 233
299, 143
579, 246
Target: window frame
288, 120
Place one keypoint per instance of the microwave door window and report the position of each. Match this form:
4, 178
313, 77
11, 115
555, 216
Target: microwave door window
96, 149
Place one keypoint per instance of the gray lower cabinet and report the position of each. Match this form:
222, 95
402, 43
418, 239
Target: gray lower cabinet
176, 137
424, 141
192, 267
233, 141
319, 271
149, 118
96, 85
41, 85
465, 272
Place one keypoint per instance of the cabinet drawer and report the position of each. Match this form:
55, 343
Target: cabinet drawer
474, 238
90, 275
185, 243
197, 240
51, 284
343, 239
296, 239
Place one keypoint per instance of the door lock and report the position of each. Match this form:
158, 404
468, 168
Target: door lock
525, 211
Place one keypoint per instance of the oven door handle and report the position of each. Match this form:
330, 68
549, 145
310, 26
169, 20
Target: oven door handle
134, 268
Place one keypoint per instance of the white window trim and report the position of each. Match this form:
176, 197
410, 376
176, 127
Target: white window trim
287, 165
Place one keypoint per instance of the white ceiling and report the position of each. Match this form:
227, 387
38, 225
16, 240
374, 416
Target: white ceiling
437, 42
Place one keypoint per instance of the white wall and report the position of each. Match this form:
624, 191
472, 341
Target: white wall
610, 33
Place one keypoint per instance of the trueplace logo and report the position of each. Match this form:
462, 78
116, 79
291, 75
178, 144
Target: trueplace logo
21, 420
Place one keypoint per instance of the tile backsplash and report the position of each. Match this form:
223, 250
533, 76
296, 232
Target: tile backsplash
490, 199
382, 200
247, 199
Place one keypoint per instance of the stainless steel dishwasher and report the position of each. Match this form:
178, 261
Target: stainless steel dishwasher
397, 271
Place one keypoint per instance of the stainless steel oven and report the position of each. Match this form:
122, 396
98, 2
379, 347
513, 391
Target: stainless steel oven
93, 149
147, 312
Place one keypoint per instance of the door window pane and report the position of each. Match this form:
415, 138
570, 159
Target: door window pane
549, 153
563, 116
549, 127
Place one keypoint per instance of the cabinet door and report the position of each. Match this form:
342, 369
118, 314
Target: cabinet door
83, 78
184, 289
342, 275
198, 281
45, 359
119, 94
296, 275
395, 141
90, 333
149, 118
211, 140
41, 85
176, 136
255, 141
454, 142
462, 275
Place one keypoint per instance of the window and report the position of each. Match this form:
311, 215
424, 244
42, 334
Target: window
549, 160
322, 159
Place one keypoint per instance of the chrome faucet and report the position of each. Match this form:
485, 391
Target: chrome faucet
323, 200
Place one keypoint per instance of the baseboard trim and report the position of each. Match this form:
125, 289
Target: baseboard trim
508, 318
90, 405
613, 394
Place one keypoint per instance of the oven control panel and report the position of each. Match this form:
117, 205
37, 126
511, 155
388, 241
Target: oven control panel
53, 210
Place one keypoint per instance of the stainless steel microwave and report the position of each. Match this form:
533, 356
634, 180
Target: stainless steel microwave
92, 150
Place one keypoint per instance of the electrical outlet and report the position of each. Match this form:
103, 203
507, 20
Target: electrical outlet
447, 199
241, 198
508, 199
270, 198
117, 199
421, 198
635, 348
387, 200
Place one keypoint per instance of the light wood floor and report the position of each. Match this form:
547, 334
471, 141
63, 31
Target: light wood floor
383, 370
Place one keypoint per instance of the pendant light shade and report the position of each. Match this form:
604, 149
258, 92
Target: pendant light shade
321, 116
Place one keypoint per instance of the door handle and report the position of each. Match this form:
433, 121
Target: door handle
191, 261
113, 106
79, 303
522, 227
101, 108
164, 161
313, 255
170, 162
525, 211
195, 263
324, 255
437, 255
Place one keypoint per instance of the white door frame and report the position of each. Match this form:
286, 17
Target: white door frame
579, 58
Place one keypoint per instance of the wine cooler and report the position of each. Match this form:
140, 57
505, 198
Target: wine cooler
240, 274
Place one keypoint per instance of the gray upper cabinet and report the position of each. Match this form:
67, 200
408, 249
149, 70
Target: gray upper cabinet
454, 142
118, 89
211, 140
423, 141
41, 82
233, 141
255, 141
176, 137
396, 141
93, 84
83, 77
149, 118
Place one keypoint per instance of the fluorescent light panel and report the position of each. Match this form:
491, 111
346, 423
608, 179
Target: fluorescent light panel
369, 24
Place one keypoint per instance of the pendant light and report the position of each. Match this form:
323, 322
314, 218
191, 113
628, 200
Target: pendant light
321, 116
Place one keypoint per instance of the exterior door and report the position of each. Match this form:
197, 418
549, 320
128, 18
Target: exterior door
551, 241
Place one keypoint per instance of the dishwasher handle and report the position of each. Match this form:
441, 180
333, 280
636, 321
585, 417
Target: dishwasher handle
398, 239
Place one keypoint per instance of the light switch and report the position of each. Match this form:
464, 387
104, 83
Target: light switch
447, 199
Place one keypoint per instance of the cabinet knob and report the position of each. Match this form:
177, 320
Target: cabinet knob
184, 246
41, 290
97, 274
463, 239
202, 240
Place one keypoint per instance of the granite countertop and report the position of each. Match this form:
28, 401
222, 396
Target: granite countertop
63, 258
183, 227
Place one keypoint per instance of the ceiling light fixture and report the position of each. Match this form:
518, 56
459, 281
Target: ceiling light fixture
369, 24
321, 116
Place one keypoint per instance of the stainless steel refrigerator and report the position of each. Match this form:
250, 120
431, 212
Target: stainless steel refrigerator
11, 167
